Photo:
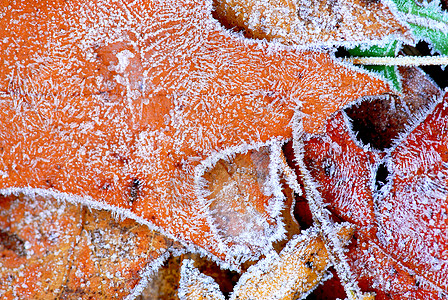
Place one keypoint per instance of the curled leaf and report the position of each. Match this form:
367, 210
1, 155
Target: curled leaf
124, 105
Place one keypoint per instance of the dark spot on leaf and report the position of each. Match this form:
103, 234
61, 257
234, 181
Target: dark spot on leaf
134, 189
106, 186
49, 183
417, 283
328, 167
122, 159
309, 264
10, 241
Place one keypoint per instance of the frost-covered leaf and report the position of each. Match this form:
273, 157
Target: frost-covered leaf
389, 50
378, 121
124, 105
398, 200
241, 196
312, 23
51, 249
291, 274
427, 21
164, 285
413, 216
194, 285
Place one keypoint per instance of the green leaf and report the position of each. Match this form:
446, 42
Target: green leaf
376, 51
390, 73
427, 22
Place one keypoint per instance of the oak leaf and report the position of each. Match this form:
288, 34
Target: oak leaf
396, 196
124, 105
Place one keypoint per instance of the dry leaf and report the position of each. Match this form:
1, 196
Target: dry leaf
241, 197
292, 274
124, 105
312, 23
398, 200
52, 250
194, 285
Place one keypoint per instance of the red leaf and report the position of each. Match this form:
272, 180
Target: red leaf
400, 248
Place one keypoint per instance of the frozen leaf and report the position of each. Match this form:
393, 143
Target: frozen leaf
312, 23
427, 21
124, 105
378, 121
237, 186
389, 50
413, 216
396, 197
299, 267
293, 273
241, 196
165, 284
50, 249
194, 285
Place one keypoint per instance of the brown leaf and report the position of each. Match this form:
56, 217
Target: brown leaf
311, 22
51, 249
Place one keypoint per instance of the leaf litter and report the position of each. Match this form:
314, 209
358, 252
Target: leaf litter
59, 250
129, 69
291, 274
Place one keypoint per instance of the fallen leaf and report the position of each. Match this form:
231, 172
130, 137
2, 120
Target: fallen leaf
237, 186
413, 216
241, 195
125, 105
396, 197
194, 285
312, 23
51, 249
380, 121
292, 274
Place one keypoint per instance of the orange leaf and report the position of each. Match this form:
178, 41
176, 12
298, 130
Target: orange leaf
50, 250
292, 273
123, 105
312, 22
